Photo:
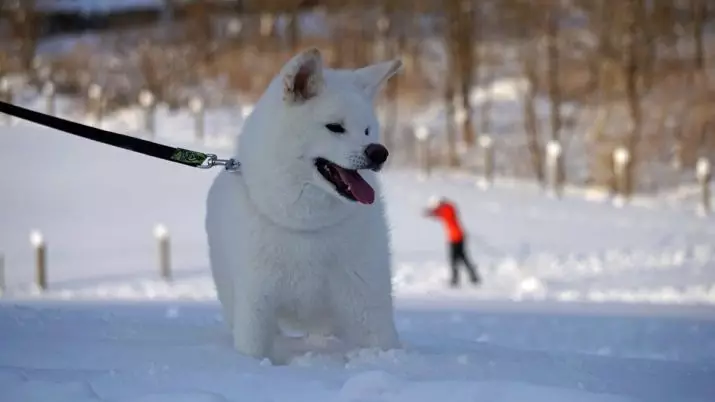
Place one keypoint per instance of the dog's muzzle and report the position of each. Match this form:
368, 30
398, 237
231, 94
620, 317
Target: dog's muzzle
376, 154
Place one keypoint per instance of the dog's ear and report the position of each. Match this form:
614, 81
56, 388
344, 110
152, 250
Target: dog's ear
303, 76
370, 78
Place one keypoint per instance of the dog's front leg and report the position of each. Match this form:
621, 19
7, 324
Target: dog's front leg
364, 319
254, 323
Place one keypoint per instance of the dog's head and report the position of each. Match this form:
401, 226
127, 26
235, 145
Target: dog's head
325, 124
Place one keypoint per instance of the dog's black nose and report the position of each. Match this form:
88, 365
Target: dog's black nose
376, 154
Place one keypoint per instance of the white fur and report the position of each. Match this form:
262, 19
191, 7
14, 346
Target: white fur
284, 247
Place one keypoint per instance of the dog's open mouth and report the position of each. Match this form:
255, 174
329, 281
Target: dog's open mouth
347, 182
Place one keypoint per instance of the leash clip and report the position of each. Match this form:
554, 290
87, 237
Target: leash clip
231, 165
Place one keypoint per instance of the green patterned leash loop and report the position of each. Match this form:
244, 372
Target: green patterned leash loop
203, 161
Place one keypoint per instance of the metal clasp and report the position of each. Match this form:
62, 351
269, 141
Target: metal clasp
231, 165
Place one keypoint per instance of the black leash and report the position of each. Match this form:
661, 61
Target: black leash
179, 155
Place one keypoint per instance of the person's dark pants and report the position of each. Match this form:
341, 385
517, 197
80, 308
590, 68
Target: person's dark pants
458, 255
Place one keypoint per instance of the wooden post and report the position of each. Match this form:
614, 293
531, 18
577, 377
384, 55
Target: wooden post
383, 28
6, 96
164, 246
621, 162
49, 92
486, 146
677, 160
196, 105
38, 244
266, 24
96, 101
147, 102
246, 111
44, 72
233, 29
554, 165
703, 172
422, 134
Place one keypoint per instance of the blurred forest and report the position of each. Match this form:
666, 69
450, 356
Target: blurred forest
590, 75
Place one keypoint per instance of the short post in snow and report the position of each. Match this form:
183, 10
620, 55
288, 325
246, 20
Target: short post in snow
49, 92
246, 111
266, 24
621, 163
196, 105
40, 248
703, 172
486, 149
6, 96
147, 103
164, 247
44, 72
95, 94
422, 134
555, 168
233, 28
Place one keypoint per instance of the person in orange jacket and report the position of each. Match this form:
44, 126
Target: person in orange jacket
446, 211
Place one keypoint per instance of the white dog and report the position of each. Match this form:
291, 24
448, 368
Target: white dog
299, 236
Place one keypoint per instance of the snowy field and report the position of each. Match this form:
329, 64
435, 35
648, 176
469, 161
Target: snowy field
581, 300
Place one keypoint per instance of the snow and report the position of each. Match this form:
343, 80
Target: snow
581, 300
178, 351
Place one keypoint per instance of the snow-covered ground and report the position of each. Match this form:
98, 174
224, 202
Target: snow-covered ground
581, 300
178, 351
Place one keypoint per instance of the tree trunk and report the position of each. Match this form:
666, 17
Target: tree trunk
452, 157
645, 37
293, 29
553, 56
337, 33
698, 11
531, 123
466, 60
25, 29
486, 107
393, 85
630, 72
450, 82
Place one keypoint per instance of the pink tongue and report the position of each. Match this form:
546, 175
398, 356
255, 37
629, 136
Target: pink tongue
358, 186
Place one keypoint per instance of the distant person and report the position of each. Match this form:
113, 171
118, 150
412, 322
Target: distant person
446, 211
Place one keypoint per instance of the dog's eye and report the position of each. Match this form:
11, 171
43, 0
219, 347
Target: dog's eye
367, 131
335, 127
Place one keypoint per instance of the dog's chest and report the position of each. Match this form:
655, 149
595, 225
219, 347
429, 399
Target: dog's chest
301, 267
300, 255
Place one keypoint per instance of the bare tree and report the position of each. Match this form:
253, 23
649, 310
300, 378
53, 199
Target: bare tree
466, 60
337, 32
630, 73
362, 38
390, 27
450, 83
698, 11
199, 31
531, 120
526, 23
485, 121
24, 29
645, 36
553, 62
293, 26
